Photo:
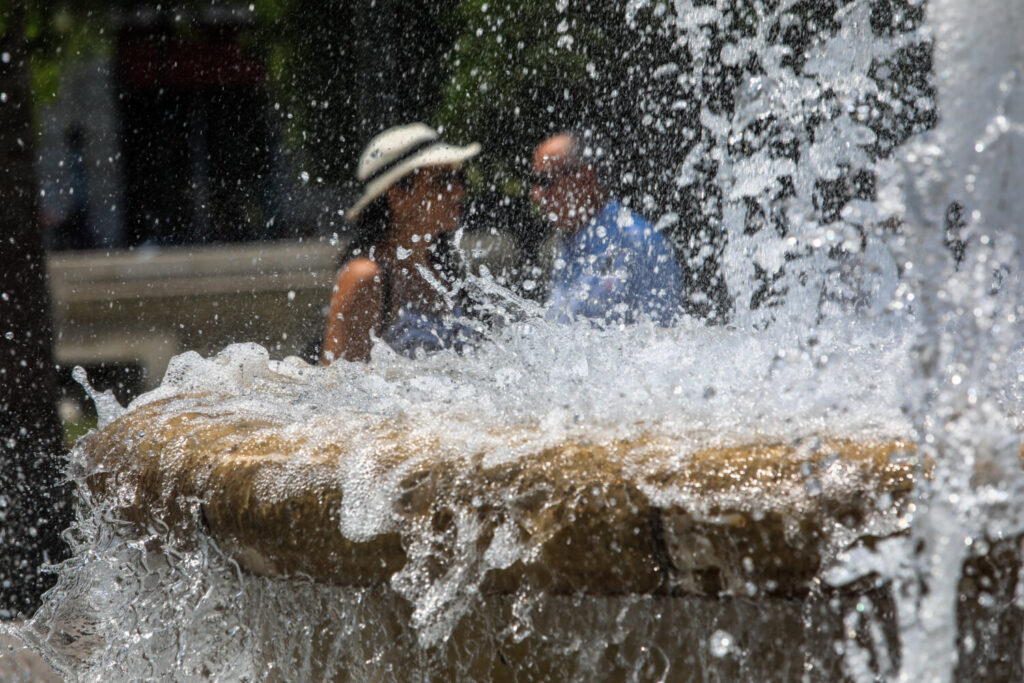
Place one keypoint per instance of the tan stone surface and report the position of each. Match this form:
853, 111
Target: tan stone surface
19, 664
638, 515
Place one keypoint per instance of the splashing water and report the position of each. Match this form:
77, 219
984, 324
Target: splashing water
968, 346
141, 605
856, 326
107, 407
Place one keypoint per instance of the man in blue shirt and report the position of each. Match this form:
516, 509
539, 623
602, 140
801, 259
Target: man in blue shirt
612, 265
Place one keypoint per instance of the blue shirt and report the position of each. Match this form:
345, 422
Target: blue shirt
615, 268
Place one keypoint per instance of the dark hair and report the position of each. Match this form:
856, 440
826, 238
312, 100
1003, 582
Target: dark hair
373, 223
369, 230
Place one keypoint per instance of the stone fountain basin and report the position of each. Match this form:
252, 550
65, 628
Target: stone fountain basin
634, 515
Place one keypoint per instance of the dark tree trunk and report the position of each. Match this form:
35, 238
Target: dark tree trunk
34, 498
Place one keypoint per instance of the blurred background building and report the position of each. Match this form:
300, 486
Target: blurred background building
166, 139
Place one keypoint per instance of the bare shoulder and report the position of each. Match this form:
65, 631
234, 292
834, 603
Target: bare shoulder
359, 270
359, 277
354, 312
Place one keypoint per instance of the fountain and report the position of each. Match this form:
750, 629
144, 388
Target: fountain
824, 488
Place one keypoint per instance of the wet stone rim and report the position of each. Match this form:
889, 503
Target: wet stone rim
630, 516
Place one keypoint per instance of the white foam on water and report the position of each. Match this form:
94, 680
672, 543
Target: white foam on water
554, 381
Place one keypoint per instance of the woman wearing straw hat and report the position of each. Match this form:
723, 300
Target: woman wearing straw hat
388, 284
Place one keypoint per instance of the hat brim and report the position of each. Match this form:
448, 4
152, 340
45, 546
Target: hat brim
440, 154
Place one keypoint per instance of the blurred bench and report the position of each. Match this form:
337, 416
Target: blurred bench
143, 306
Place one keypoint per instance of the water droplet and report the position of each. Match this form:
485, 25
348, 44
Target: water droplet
721, 643
813, 487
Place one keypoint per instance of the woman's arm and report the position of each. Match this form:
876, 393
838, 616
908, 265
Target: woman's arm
355, 312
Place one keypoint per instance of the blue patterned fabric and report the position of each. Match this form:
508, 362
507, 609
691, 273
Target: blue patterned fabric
616, 268
413, 330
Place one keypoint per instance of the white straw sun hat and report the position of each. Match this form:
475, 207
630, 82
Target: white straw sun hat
399, 151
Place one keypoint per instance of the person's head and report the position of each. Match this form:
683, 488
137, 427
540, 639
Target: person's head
410, 182
565, 183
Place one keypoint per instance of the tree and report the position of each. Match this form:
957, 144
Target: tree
34, 495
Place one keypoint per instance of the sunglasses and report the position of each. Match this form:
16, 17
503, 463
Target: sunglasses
546, 180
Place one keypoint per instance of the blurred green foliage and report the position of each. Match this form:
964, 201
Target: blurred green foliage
56, 36
521, 70
77, 428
